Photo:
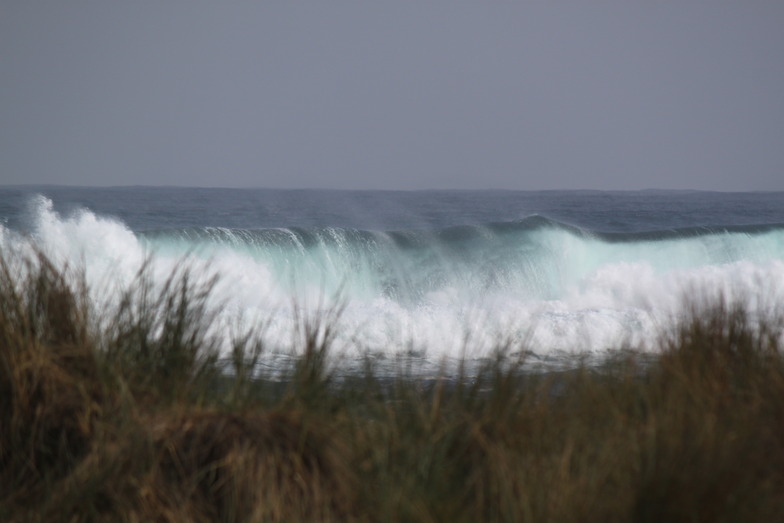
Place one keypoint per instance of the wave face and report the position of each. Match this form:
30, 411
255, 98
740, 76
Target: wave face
534, 281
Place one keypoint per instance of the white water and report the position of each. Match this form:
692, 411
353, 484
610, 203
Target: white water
549, 290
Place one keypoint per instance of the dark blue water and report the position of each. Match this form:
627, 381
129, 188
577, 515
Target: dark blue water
146, 208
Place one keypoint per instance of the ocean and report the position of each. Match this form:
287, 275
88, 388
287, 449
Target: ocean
434, 275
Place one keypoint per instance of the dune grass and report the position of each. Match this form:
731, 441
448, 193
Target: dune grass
133, 416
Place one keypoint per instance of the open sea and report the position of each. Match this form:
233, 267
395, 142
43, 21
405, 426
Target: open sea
434, 274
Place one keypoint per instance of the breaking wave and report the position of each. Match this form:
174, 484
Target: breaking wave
549, 285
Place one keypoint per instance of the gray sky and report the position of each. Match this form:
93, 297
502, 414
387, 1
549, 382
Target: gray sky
394, 94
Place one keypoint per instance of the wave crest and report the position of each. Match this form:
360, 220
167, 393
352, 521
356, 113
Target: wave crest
557, 286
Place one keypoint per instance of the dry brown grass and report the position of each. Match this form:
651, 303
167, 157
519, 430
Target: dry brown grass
136, 422
50, 396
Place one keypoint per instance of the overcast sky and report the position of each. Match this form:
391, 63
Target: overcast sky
394, 94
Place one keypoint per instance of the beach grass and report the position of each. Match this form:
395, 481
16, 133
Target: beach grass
131, 414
